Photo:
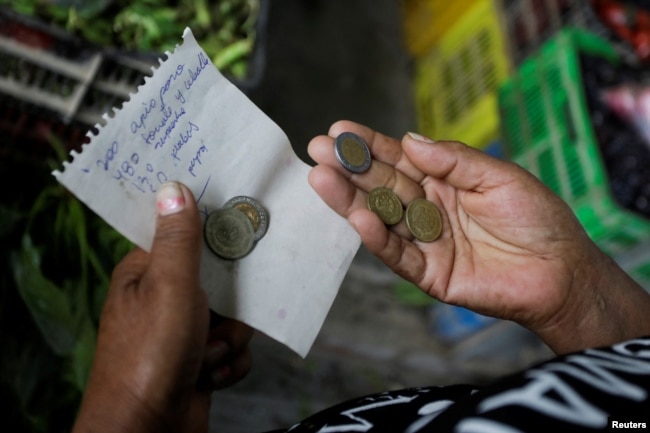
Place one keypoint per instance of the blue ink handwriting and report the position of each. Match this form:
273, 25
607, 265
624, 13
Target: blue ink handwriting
196, 160
143, 177
168, 131
180, 97
148, 107
203, 211
111, 153
183, 139
165, 88
194, 74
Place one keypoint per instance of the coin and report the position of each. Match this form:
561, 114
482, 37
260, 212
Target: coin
385, 203
352, 152
423, 220
229, 233
255, 212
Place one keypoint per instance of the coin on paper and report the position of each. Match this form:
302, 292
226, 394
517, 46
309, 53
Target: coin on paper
352, 152
423, 220
255, 212
229, 233
385, 203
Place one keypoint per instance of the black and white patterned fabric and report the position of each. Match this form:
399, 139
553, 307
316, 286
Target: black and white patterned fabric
605, 389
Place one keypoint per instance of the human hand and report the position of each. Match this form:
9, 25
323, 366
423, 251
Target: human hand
510, 248
227, 358
158, 356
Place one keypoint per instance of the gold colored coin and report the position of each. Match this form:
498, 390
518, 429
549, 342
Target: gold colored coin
255, 212
385, 203
423, 220
250, 212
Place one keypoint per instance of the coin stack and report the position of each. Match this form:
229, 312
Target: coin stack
232, 231
423, 218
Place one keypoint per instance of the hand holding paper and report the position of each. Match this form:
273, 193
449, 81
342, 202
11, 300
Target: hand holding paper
190, 124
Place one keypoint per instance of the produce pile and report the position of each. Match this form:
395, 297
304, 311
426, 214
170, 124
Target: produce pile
225, 29
57, 255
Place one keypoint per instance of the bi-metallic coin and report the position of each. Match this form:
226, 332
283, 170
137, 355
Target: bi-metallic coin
229, 233
423, 220
385, 203
352, 152
255, 212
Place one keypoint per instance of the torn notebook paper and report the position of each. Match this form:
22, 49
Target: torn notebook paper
190, 124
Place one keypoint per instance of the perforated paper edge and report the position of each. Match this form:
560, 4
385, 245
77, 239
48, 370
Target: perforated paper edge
91, 135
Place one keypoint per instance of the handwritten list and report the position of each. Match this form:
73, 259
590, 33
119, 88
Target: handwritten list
190, 124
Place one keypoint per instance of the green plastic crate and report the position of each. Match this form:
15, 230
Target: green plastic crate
546, 128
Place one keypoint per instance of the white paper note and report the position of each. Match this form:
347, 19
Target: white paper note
190, 124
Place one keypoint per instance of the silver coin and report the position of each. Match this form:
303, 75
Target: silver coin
255, 212
229, 233
352, 152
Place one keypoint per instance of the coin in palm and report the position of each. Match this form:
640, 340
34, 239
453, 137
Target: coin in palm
385, 203
423, 220
352, 152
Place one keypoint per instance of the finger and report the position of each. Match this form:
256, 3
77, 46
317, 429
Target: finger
389, 168
398, 253
232, 372
176, 249
344, 197
130, 269
336, 190
339, 188
198, 412
382, 147
222, 366
461, 166
380, 173
235, 334
422, 263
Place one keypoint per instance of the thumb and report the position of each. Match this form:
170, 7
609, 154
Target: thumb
176, 249
462, 166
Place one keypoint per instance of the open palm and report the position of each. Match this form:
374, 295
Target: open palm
510, 248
